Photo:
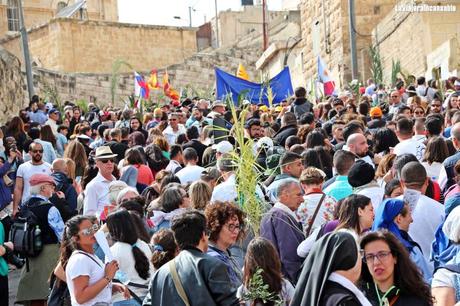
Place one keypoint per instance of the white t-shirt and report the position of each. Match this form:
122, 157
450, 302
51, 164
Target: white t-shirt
189, 174
433, 170
123, 254
82, 265
26, 170
410, 146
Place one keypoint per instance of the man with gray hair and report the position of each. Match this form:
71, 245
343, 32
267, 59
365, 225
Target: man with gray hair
281, 227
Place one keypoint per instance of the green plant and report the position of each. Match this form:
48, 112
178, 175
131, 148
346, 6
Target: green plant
82, 104
258, 290
354, 86
114, 78
376, 64
51, 94
395, 70
247, 174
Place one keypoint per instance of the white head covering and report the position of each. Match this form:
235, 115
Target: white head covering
451, 226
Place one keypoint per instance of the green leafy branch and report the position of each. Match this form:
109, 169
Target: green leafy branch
258, 290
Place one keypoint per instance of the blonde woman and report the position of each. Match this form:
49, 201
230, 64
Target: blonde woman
200, 194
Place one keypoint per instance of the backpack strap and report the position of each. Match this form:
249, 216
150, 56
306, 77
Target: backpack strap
307, 233
79, 252
177, 282
451, 268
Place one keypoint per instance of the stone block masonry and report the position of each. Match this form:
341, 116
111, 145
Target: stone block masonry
70, 45
197, 71
11, 86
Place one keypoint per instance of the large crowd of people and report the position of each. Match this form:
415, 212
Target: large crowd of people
359, 194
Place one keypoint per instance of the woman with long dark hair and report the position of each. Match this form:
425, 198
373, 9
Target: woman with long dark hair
16, 129
389, 276
262, 256
133, 255
135, 125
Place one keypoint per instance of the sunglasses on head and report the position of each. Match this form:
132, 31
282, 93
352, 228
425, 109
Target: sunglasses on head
90, 230
105, 161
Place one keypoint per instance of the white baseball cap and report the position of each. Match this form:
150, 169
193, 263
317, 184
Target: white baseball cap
223, 147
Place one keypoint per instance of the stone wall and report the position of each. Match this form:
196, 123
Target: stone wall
197, 71
11, 86
336, 53
411, 37
69, 45
38, 12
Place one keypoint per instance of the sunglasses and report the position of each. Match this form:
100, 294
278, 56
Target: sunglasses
90, 230
105, 161
419, 113
37, 151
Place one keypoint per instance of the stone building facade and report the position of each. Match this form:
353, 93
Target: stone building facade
38, 12
421, 41
69, 45
11, 86
325, 22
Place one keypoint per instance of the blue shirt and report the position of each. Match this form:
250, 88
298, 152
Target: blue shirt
340, 188
61, 141
39, 116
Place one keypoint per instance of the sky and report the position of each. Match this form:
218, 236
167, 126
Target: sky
161, 12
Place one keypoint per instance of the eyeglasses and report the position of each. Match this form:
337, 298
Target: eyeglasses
233, 227
90, 230
105, 161
37, 151
51, 185
381, 256
173, 119
435, 105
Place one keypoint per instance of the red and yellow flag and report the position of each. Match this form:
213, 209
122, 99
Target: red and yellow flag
153, 81
241, 73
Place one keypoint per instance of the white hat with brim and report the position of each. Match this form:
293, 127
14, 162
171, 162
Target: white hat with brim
217, 103
223, 147
104, 152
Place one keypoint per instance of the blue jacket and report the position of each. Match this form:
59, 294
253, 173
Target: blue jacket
5, 191
449, 165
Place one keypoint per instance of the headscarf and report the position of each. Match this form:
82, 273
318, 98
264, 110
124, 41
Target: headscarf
334, 251
442, 250
384, 219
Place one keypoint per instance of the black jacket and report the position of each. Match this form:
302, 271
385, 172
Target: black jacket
284, 133
400, 298
198, 146
335, 294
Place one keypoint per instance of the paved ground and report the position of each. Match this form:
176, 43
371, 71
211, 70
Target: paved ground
13, 280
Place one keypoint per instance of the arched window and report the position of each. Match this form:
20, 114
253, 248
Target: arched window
61, 5
12, 14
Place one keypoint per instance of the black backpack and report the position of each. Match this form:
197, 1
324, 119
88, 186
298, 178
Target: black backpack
25, 232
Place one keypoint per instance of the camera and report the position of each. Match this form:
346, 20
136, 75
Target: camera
12, 258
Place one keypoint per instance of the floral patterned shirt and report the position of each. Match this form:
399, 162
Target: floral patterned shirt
307, 209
